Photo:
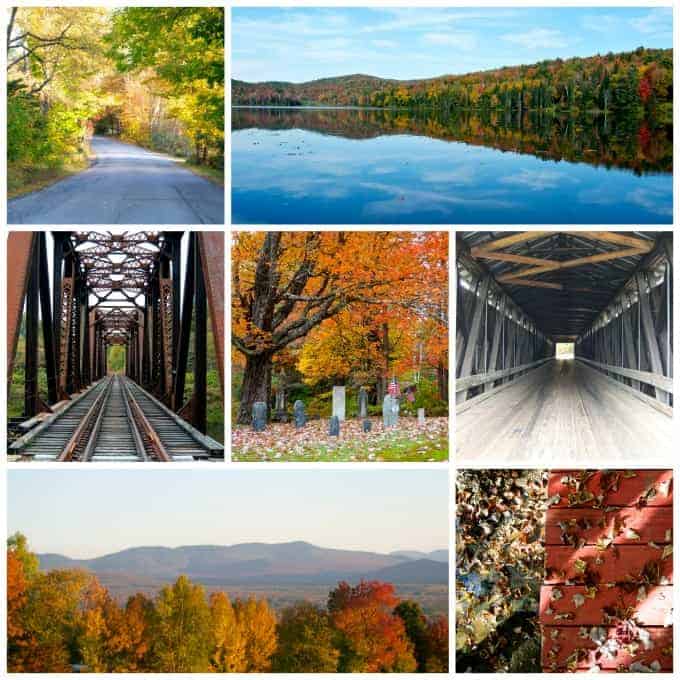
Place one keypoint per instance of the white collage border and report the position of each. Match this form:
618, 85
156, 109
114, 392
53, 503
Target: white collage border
449, 468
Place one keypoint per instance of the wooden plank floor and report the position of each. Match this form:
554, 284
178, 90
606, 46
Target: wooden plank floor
562, 413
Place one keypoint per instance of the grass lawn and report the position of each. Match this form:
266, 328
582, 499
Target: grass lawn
284, 443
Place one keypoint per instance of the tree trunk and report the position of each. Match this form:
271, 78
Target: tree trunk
386, 358
443, 382
257, 386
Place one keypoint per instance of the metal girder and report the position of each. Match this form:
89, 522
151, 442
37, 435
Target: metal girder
19, 251
211, 246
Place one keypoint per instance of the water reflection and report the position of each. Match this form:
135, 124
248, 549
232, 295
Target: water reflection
640, 145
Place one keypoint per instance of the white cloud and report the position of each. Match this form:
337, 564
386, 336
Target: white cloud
535, 180
385, 44
601, 23
538, 38
461, 40
659, 20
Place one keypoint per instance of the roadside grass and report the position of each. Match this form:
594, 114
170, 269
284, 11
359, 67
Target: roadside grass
25, 179
214, 175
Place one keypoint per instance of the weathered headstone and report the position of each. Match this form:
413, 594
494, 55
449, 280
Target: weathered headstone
367, 425
280, 406
339, 401
334, 429
299, 414
363, 403
259, 416
421, 417
390, 411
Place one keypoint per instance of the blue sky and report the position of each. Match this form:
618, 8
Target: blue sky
83, 513
299, 44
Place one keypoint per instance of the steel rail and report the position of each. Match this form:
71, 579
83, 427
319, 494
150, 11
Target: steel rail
91, 417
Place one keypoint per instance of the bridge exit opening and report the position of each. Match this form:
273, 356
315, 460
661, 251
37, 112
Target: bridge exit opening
115, 360
564, 350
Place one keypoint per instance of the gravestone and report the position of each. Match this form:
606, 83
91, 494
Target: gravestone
390, 411
334, 429
259, 416
421, 417
280, 406
363, 403
299, 414
339, 401
367, 425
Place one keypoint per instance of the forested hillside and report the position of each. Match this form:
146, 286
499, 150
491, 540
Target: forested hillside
629, 81
152, 76
64, 619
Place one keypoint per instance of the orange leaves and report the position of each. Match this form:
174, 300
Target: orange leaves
278, 279
375, 636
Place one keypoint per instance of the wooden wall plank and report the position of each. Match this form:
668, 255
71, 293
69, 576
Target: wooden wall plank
559, 608
653, 486
573, 649
564, 563
625, 526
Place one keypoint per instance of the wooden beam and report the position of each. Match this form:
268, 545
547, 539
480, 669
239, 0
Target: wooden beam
620, 239
647, 377
570, 264
475, 329
535, 284
653, 352
483, 378
512, 240
511, 257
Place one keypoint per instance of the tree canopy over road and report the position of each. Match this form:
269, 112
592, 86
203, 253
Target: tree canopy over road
152, 76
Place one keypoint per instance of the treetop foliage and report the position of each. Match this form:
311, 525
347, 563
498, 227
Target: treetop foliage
625, 81
66, 617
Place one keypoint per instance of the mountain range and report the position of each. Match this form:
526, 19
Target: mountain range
609, 80
296, 562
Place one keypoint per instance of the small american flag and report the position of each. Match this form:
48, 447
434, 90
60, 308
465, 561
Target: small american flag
393, 388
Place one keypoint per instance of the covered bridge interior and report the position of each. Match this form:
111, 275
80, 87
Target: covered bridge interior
520, 295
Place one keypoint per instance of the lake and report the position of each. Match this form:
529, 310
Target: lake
373, 166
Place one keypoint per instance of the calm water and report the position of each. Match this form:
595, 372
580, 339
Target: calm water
343, 166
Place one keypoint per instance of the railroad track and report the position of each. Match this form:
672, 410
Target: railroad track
115, 421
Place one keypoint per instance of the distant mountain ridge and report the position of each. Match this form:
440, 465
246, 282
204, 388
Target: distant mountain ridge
609, 81
296, 562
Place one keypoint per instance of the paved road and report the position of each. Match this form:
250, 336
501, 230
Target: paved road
126, 185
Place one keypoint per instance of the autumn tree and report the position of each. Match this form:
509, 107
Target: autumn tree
287, 284
257, 624
181, 630
55, 56
371, 637
183, 48
16, 600
103, 642
138, 621
305, 641
438, 645
229, 648
415, 625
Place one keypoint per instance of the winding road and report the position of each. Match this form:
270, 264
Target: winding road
126, 185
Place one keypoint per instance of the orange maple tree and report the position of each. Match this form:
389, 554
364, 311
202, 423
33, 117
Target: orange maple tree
374, 638
288, 284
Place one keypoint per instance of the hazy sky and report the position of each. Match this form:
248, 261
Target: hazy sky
298, 44
83, 513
